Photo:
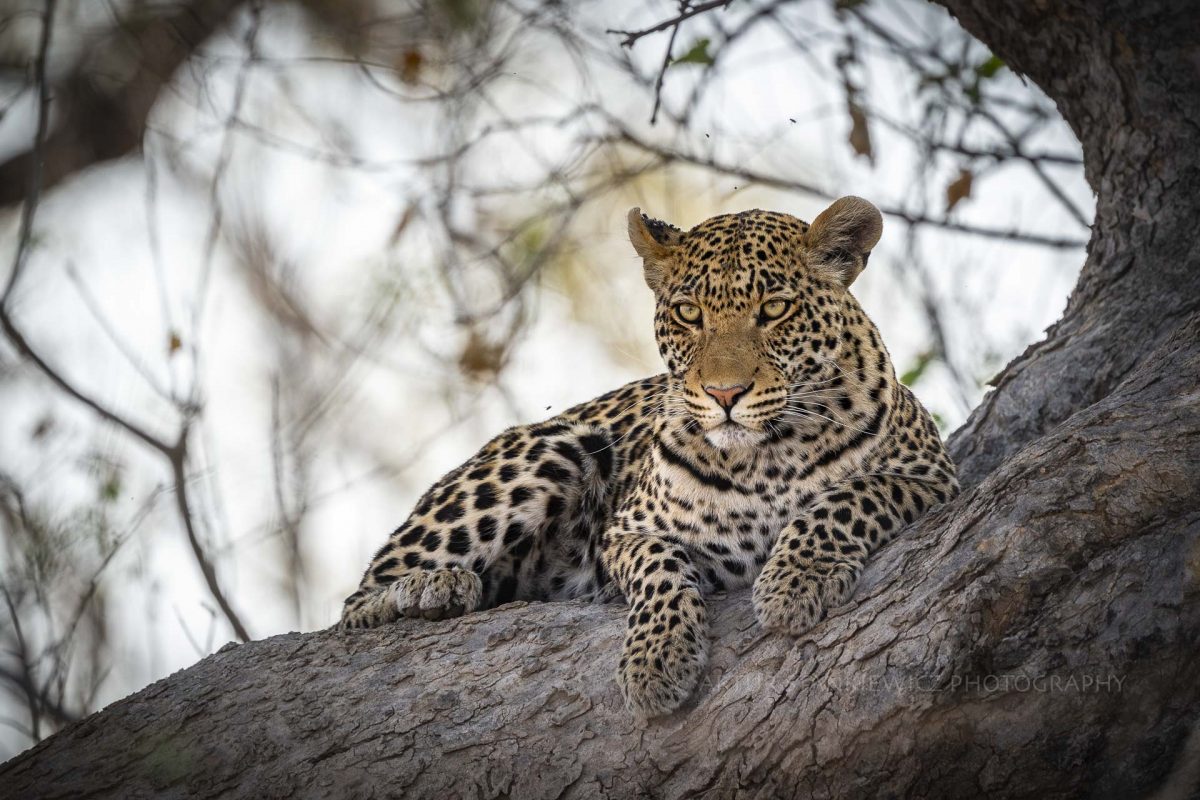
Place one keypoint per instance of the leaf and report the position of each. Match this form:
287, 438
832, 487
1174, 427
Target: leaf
110, 488
914, 373
989, 67
959, 188
410, 66
860, 134
173, 343
481, 359
43, 427
697, 54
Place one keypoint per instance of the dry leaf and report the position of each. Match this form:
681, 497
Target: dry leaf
959, 189
860, 134
43, 427
173, 343
410, 66
480, 358
402, 224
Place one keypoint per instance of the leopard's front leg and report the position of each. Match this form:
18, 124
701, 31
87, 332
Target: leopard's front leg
817, 559
666, 638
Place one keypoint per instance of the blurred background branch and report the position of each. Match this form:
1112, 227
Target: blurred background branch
104, 100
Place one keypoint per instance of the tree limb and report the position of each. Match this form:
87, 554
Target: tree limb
1035, 637
99, 125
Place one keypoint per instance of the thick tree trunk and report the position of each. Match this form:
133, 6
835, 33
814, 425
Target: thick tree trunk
1037, 637
1126, 77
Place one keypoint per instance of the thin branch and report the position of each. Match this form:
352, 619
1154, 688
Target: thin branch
23, 679
1000, 154
216, 220
22, 346
289, 520
902, 214
24, 239
176, 454
123, 347
45, 704
33, 185
1051, 185
178, 459
93, 583
666, 63
631, 37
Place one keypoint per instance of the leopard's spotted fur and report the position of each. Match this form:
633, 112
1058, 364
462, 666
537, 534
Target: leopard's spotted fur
778, 450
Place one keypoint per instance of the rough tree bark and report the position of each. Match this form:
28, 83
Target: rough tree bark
1038, 637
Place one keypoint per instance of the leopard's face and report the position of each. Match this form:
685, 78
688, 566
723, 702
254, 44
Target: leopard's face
749, 318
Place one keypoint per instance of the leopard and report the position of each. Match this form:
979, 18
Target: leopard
777, 452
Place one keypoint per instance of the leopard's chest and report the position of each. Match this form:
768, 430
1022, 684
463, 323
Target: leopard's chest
728, 520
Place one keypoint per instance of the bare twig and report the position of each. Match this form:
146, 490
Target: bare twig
23, 679
176, 453
666, 62
996, 154
43, 704
290, 519
631, 37
217, 218
905, 215
1051, 185
33, 179
106, 326
178, 460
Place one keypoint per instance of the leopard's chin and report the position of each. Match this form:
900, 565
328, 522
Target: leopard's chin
730, 436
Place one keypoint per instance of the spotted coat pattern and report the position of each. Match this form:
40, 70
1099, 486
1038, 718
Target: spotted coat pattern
777, 451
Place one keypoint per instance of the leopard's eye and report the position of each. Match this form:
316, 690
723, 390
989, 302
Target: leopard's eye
775, 309
688, 313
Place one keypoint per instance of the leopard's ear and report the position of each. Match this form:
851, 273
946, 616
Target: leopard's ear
655, 241
842, 236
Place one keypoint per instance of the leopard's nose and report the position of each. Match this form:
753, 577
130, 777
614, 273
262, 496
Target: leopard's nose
726, 396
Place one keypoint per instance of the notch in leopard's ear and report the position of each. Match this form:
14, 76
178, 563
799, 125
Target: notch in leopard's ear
841, 237
654, 240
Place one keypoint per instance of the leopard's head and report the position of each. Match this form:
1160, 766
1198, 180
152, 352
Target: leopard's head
750, 310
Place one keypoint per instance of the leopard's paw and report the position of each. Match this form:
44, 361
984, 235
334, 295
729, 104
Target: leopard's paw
367, 608
437, 594
662, 663
791, 600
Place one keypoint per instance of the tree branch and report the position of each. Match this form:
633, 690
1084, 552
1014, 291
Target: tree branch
988, 650
763, 179
29, 181
98, 126
175, 454
631, 37
666, 63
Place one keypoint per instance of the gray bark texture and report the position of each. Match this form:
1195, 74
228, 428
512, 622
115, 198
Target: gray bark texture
1038, 637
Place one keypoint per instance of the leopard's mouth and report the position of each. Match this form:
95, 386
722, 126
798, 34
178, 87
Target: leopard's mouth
730, 435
